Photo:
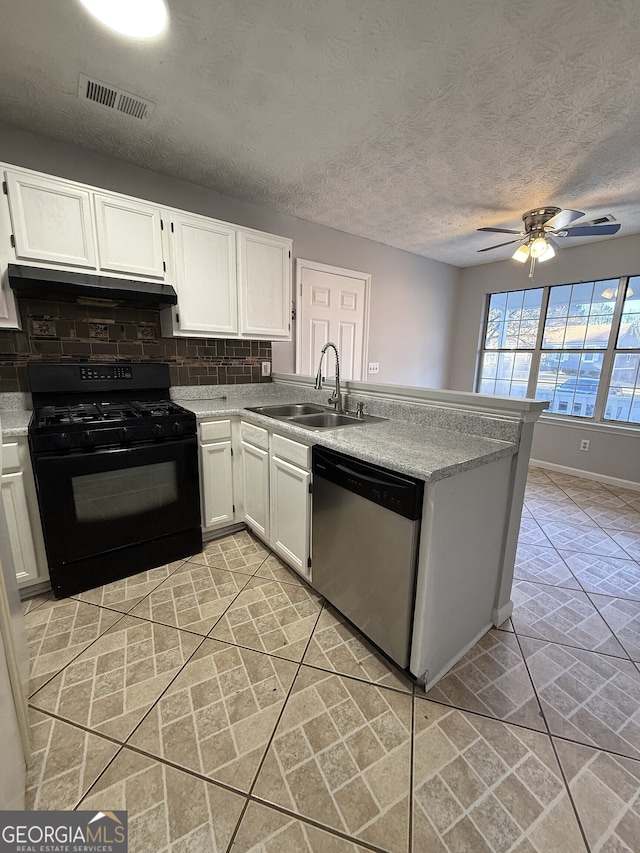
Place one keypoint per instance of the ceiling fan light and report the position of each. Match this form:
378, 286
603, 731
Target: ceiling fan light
521, 253
539, 247
550, 253
138, 19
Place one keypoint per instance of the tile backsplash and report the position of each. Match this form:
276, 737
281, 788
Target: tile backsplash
66, 331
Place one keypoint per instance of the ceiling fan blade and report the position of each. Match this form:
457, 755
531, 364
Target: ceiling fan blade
508, 243
560, 221
500, 230
591, 230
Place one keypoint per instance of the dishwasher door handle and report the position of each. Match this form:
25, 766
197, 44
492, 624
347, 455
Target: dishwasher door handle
360, 476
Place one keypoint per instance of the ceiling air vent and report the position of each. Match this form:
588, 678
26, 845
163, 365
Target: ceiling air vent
113, 98
600, 220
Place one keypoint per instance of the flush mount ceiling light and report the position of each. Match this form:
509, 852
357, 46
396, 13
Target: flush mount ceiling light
541, 225
138, 19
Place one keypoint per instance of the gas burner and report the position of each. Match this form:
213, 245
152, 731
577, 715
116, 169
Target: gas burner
74, 411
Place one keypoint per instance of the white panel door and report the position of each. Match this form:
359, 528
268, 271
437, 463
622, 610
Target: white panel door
129, 237
331, 307
256, 488
51, 221
205, 257
217, 484
264, 279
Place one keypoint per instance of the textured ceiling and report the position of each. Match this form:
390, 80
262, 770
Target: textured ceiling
410, 122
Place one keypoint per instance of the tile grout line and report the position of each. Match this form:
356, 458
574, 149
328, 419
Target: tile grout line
582, 586
555, 751
613, 598
124, 745
412, 757
284, 704
81, 652
304, 818
579, 648
361, 680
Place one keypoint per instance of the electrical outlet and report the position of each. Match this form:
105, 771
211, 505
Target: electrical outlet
584, 444
266, 368
374, 367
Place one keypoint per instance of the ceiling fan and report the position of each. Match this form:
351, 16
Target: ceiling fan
541, 226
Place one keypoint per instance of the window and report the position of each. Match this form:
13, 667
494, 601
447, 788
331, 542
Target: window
576, 345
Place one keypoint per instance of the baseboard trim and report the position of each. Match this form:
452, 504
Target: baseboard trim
431, 681
501, 614
586, 475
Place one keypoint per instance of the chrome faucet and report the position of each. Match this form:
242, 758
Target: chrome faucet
336, 398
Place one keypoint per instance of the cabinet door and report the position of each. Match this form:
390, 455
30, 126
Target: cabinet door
217, 484
256, 488
205, 259
14, 499
9, 315
264, 278
129, 237
51, 221
290, 513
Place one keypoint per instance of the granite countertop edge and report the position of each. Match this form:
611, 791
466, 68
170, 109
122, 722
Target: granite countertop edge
427, 453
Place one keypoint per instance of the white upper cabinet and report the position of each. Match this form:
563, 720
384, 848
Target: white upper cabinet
129, 237
232, 282
264, 284
205, 276
51, 220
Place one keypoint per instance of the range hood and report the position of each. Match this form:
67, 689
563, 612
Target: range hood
61, 285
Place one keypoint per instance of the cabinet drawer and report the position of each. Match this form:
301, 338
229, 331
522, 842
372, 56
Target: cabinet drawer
254, 435
10, 457
215, 430
292, 451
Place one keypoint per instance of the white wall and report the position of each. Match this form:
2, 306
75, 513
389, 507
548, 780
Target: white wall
613, 452
412, 298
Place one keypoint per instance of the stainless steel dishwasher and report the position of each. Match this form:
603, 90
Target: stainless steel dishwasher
365, 533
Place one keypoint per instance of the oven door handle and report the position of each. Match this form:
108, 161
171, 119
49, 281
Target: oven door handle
82, 452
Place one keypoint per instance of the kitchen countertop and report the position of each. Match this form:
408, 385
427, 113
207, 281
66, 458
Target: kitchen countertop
14, 423
420, 451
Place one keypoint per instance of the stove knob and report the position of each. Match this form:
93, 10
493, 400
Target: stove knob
178, 428
88, 437
157, 429
124, 434
63, 440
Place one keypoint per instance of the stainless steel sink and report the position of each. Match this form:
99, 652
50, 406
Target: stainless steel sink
326, 419
313, 416
289, 411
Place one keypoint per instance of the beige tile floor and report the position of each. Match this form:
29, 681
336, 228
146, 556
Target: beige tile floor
227, 707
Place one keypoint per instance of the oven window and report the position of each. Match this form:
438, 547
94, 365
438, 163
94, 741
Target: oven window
127, 492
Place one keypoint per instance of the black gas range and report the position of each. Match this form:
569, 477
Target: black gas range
77, 406
116, 469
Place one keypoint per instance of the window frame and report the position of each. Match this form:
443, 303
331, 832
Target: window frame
608, 354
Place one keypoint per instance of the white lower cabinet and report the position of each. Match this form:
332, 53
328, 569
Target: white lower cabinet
290, 513
291, 502
272, 476
21, 511
216, 474
255, 477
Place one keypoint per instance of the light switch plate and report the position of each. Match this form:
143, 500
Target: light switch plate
374, 367
266, 368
